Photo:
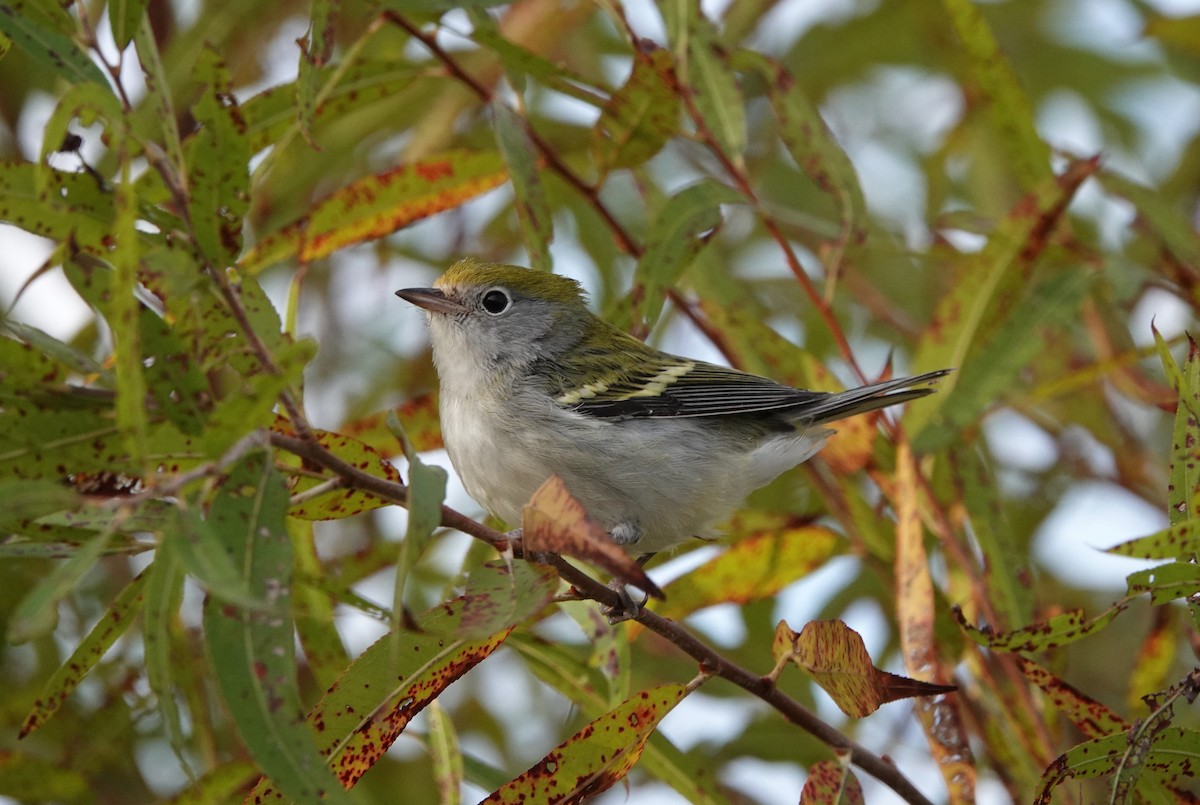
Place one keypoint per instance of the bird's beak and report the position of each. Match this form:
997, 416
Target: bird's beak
432, 300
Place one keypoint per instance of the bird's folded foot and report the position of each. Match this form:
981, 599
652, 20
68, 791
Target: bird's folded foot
626, 608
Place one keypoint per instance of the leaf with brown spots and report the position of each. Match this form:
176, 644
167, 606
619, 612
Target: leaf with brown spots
419, 416
1166, 582
1162, 757
597, 756
642, 115
43, 31
1059, 630
380, 692
833, 654
340, 502
831, 783
1093, 718
381, 204
989, 283
1183, 480
770, 550
500, 596
111, 625
1178, 541
60, 206
555, 522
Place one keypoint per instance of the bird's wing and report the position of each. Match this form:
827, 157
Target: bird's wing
678, 387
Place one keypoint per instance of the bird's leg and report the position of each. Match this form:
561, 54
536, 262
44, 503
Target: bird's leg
626, 608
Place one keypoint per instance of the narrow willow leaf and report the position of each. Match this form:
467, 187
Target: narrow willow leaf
124, 321
56, 205
989, 280
584, 685
596, 757
380, 692
223, 784
1183, 485
217, 158
673, 241
316, 625
164, 595
418, 416
996, 364
381, 204
37, 613
810, 143
769, 552
426, 491
124, 17
1007, 104
520, 61
1178, 541
315, 52
29, 500
1094, 719
1006, 569
85, 104
346, 88
447, 758
39, 34
53, 350
1166, 582
1059, 630
1155, 659
160, 111
642, 115
501, 595
339, 503
111, 625
1166, 221
252, 652
716, 90
533, 211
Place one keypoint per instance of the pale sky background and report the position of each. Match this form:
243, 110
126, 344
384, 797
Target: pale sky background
1090, 515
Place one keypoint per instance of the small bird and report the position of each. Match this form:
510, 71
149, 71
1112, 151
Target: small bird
658, 448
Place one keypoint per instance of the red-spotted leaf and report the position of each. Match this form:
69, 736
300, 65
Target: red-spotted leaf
500, 595
1154, 756
770, 551
1166, 582
1093, 718
642, 115
419, 416
1183, 480
44, 32
112, 624
1181, 540
555, 522
833, 654
596, 757
831, 783
393, 680
1066, 627
335, 504
381, 204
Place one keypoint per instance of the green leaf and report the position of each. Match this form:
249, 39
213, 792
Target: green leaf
379, 205
217, 159
1007, 105
315, 52
35, 28
1166, 582
673, 241
33, 779
596, 757
1059, 630
642, 115
533, 211
164, 594
393, 680
111, 625
29, 500
61, 206
252, 652
1183, 485
124, 17
1178, 541
988, 283
995, 365
717, 95
37, 613
444, 751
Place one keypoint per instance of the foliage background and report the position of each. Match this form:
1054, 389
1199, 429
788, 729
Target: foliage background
941, 210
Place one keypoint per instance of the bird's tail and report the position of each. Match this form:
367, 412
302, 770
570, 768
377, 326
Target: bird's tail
843, 404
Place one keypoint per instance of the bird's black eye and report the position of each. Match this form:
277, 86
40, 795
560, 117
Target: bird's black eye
496, 301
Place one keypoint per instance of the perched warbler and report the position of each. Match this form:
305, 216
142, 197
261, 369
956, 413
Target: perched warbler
657, 448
